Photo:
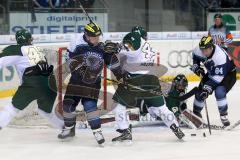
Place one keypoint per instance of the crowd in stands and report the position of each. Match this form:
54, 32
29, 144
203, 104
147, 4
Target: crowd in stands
211, 4
62, 3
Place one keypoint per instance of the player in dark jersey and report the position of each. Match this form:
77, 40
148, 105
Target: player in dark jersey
178, 88
86, 60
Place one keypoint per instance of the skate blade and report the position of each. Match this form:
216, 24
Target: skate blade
123, 143
68, 139
101, 145
181, 140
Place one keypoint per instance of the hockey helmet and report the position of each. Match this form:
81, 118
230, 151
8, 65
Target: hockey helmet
92, 30
23, 37
140, 30
180, 82
132, 40
206, 42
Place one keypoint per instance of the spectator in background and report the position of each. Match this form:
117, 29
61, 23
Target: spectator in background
227, 3
87, 3
209, 3
220, 33
46, 3
67, 3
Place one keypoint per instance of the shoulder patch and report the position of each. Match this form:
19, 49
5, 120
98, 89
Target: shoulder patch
12, 50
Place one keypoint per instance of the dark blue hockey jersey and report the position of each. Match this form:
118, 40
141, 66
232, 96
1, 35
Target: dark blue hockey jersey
93, 59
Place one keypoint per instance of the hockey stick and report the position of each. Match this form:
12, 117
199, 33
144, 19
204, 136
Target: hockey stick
213, 127
234, 125
84, 11
180, 98
206, 110
187, 95
134, 87
82, 117
208, 121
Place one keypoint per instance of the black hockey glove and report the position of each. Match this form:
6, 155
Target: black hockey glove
199, 71
44, 69
205, 92
111, 47
124, 76
77, 65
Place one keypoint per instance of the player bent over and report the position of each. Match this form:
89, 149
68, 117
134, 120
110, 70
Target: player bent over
139, 53
37, 81
178, 88
220, 76
87, 58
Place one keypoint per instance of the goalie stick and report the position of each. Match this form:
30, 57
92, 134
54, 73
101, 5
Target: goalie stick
181, 98
234, 125
81, 116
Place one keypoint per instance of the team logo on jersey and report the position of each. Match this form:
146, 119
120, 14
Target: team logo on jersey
93, 60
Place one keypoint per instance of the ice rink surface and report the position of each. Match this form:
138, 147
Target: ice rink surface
150, 143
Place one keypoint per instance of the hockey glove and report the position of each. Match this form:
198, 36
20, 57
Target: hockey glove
43, 68
111, 47
77, 65
205, 92
199, 71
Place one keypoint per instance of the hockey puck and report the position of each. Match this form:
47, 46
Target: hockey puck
193, 135
204, 134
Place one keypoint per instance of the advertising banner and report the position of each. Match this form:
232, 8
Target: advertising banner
54, 23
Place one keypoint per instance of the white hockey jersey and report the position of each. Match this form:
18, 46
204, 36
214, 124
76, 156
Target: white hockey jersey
218, 65
21, 57
139, 61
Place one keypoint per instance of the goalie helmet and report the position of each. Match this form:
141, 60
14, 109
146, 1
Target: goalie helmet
23, 37
92, 30
132, 41
180, 82
206, 42
140, 30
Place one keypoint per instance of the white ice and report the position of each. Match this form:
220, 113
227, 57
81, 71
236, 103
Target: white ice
150, 143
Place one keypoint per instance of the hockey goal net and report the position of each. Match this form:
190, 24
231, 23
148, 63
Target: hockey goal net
57, 56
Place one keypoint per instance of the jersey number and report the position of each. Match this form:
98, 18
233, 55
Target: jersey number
149, 53
219, 71
35, 55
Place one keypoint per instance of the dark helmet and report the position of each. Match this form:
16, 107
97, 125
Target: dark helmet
133, 39
206, 42
140, 30
180, 82
92, 30
23, 37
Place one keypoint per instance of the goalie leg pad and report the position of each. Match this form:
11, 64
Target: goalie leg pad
189, 115
7, 114
121, 117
